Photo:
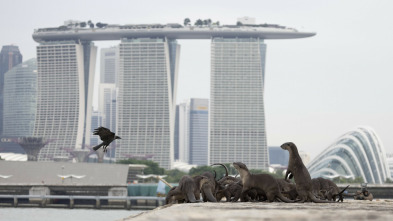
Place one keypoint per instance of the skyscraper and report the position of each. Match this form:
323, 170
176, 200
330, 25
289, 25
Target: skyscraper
108, 65
237, 116
148, 60
176, 135
65, 86
198, 132
20, 99
193, 131
184, 132
96, 121
9, 57
107, 105
146, 100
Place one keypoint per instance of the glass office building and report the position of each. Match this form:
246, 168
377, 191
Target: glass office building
9, 58
198, 137
146, 101
108, 65
237, 115
20, 99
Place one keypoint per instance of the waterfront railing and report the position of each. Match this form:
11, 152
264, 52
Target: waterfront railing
69, 201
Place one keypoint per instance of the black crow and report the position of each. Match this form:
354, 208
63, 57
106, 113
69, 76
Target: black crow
106, 136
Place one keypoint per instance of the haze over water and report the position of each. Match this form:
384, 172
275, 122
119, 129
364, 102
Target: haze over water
41, 214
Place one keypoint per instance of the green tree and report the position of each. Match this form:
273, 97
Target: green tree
186, 21
174, 176
220, 171
199, 22
101, 25
387, 180
348, 180
152, 167
199, 170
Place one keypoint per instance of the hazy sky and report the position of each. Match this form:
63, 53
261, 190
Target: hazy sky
317, 88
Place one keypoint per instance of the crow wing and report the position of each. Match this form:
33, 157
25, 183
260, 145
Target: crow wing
104, 133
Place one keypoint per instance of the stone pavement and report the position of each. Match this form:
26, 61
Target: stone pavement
379, 209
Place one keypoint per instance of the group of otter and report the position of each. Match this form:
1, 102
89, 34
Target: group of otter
258, 187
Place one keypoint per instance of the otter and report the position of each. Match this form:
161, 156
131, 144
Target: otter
233, 189
188, 190
208, 188
301, 175
317, 188
226, 186
174, 195
332, 191
226, 179
287, 188
261, 182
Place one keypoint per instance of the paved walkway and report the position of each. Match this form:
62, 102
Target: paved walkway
349, 210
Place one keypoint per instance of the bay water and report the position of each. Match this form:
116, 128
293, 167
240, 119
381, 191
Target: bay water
43, 214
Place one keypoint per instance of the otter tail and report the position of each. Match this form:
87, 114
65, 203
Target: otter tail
340, 194
191, 197
284, 199
315, 200
209, 194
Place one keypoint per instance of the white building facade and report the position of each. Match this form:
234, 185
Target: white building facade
109, 65
64, 101
107, 105
184, 147
237, 116
146, 100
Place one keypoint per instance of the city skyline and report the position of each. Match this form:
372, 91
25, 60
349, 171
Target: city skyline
316, 89
148, 60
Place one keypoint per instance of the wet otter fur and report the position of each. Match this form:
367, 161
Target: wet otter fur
188, 190
226, 179
209, 188
332, 191
261, 182
287, 188
301, 175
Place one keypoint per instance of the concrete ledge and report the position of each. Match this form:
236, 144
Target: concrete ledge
349, 210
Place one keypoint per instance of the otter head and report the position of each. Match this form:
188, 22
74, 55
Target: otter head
169, 199
240, 166
289, 146
204, 179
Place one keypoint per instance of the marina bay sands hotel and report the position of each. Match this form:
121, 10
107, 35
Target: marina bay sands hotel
147, 82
